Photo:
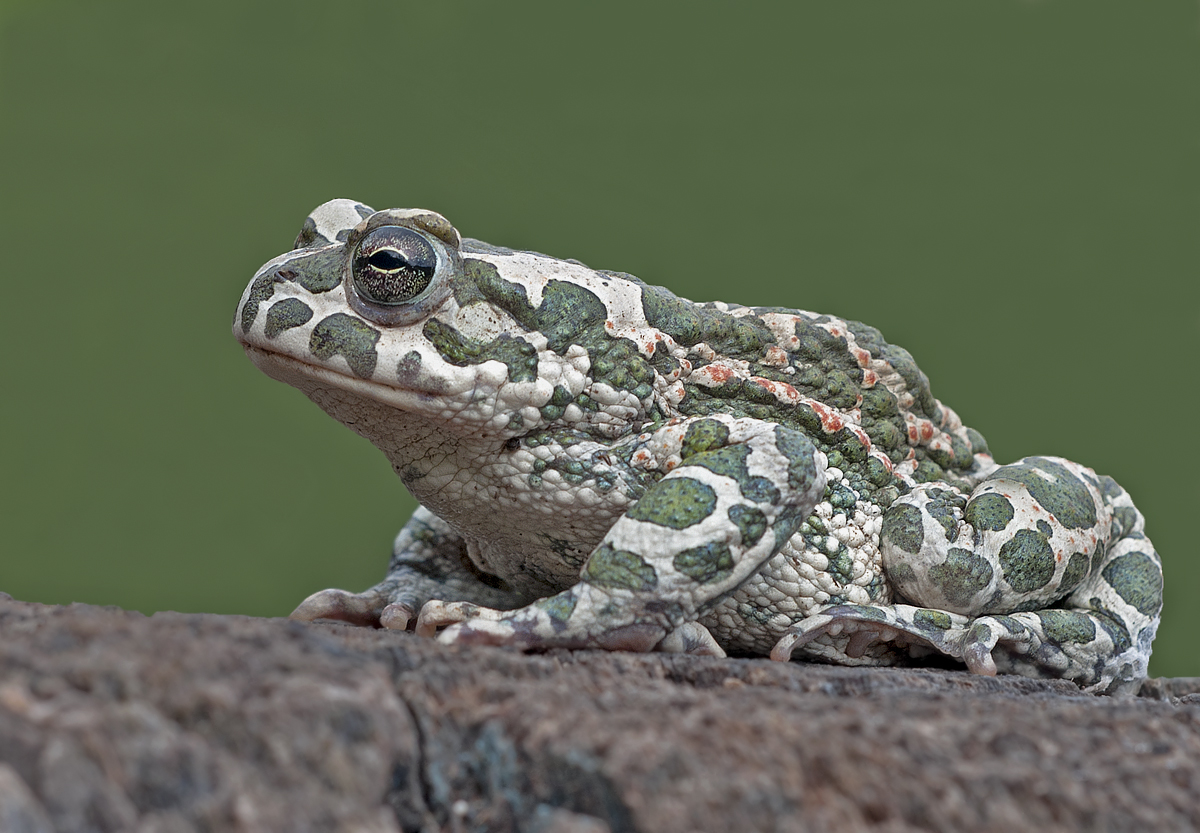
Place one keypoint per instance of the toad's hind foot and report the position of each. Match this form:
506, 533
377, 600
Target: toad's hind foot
1076, 645
862, 632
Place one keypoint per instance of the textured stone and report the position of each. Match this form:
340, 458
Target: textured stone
111, 720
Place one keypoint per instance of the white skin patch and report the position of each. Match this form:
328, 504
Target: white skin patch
335, 216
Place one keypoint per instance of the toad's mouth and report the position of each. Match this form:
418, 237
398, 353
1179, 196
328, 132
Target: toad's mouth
309, 377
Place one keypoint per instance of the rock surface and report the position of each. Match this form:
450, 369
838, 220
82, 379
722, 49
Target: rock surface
113, 721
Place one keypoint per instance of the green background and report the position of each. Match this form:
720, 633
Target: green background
1008, 189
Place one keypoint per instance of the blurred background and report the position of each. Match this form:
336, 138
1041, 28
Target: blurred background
1008, 189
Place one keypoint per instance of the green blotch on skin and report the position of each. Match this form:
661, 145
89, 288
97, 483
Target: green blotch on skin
260, 290
615, 568
704, 435
730, 461
741, 337
840, 497
1027, 561
560, 397
1125, 520
904, 527
344, 335
979, 634
841, 564
568, 310
408, 369
1013, 626
955, 458
932, 619
751, 523
1066, 626
1138, 580
942, 509
617, 363
568, 314
664, 363
800, 454
961, 576
886, 497
989, 512
1066, 497
876, 472
1077, 568
928, 471
517, 354
840, 389
676, 502
309, 235
677, 318
688, 324
902, 575
826, 369
706, 563
319, 272
1111, 624
559, 607
511, 297
878, 401
1109, 487
875, 587
285, 314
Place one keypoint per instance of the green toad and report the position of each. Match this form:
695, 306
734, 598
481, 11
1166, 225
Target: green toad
603, 464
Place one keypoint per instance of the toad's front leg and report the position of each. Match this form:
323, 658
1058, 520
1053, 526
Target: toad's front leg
429, 561
742, 488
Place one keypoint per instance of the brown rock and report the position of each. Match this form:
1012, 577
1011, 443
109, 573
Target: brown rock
110, 720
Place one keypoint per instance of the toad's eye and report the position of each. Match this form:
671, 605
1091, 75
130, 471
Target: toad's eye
393, 265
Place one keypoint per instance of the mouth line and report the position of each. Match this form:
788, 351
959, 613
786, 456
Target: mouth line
287, 368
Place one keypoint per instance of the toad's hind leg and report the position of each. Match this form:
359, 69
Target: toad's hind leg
1045, 571
1049, 559
1100, 635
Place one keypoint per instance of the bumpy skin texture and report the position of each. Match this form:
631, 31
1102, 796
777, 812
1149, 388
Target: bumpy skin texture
603, 464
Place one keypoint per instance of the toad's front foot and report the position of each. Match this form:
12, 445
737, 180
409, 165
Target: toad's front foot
533, 628
370, 608
538, 626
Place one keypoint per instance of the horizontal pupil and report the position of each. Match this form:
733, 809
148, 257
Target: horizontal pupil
388, 260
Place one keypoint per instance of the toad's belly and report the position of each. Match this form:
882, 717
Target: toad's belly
793, 585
